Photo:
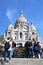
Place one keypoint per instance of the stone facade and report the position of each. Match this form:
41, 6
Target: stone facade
21, 31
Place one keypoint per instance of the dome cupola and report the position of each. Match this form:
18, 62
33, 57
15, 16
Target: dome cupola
21, 18
33, 27
10, 26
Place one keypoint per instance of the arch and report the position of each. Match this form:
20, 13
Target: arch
20, 34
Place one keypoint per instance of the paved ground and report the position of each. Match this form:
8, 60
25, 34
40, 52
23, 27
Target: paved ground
23, 61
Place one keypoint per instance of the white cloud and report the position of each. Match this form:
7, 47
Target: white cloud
10, 13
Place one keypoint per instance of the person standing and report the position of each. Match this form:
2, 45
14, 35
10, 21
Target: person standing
13, 47
6, 47
10, 49
29, 48
37, 49
26, 49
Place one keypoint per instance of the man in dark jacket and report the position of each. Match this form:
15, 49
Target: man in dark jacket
6, 52
28, 46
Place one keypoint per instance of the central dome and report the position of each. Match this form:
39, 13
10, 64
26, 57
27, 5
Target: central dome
21, 18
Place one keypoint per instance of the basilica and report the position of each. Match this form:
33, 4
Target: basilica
21, 31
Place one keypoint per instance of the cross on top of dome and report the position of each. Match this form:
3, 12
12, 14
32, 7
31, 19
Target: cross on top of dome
31, 22
21, 13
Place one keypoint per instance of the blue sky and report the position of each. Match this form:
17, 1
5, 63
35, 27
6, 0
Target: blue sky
33, 11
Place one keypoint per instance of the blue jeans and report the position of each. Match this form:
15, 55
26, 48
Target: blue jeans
6, 53
11, 53
30, 53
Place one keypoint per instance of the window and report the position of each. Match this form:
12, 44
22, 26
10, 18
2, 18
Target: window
8, 32
20, 34
16, 36
8, 38
32, 33
33, 39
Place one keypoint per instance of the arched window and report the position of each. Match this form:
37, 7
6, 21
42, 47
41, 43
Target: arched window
20, 34
8, 32
16, 36
32, 33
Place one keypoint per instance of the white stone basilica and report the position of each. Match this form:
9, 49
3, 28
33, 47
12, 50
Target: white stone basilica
21, 31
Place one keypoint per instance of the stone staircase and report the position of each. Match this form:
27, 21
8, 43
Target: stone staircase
24, 61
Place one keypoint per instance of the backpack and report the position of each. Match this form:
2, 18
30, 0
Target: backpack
7, 45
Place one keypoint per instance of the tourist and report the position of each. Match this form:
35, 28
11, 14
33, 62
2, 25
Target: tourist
37, 48
6, 47
29, 48
13, 47
26, 49
10, 49
42, 53
33, 41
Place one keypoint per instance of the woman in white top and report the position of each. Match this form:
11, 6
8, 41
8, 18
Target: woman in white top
10, 49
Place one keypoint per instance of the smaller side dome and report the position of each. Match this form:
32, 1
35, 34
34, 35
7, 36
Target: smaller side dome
33, 27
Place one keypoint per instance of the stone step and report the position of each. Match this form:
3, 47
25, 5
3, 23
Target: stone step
24, 61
